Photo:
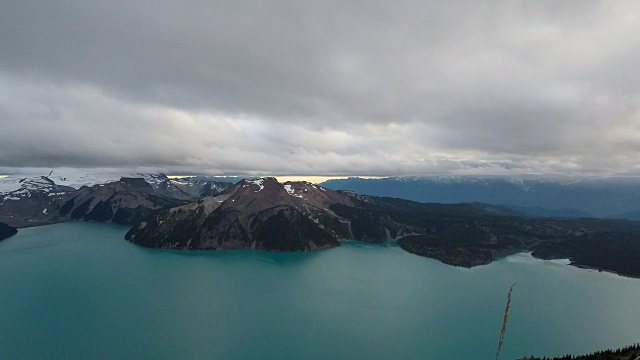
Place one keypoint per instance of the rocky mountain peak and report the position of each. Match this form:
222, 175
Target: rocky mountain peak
251, 214
259, 194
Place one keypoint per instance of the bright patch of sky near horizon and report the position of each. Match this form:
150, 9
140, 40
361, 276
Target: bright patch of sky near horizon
268, 87
312, 179
280, 178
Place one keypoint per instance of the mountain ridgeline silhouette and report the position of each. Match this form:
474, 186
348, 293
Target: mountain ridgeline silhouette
536, 196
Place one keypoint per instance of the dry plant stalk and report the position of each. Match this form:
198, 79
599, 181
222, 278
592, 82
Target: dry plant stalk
504, 321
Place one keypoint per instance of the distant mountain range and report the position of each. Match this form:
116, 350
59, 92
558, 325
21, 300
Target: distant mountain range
38, 200
537, 196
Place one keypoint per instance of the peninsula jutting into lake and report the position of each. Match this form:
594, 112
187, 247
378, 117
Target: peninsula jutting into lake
297, 216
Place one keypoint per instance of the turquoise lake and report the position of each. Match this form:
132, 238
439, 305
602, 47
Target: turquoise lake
80, 291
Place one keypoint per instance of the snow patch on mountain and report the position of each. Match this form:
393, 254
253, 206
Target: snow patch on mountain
291, 191
259, 182
9, 184
71, 178
77, 180
17, 187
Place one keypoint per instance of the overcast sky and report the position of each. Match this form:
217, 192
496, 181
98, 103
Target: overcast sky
321, 87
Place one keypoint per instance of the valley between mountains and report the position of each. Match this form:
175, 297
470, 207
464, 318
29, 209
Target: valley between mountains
203, 213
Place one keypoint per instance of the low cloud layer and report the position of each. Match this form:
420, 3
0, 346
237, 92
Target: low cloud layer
287, 87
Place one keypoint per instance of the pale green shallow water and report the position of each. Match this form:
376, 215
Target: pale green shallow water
80, 291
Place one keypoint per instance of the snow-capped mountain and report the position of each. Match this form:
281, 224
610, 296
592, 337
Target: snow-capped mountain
179, 187
77, 180
30, 201
110, 197
16, 188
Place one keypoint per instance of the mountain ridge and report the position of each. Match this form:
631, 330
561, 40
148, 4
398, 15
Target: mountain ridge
597, 196
39, 200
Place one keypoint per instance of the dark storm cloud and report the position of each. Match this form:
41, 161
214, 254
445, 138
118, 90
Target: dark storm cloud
332, 87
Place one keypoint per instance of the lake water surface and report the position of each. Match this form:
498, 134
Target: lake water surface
81, 291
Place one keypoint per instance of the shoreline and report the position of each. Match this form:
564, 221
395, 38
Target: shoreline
340, 241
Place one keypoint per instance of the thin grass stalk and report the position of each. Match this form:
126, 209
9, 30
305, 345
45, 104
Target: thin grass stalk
504, 321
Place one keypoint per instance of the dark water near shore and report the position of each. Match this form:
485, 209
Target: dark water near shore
80, 290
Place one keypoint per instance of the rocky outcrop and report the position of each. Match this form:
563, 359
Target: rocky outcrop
7, 231
197, 186
258, 214
116, 202
184, 188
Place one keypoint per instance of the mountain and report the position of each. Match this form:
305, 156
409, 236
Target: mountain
38, 200
600, 197
258, 214
184, 188
31, 201
7, 231
200, 186
296, 216
292, 216
265, 214
122, 202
